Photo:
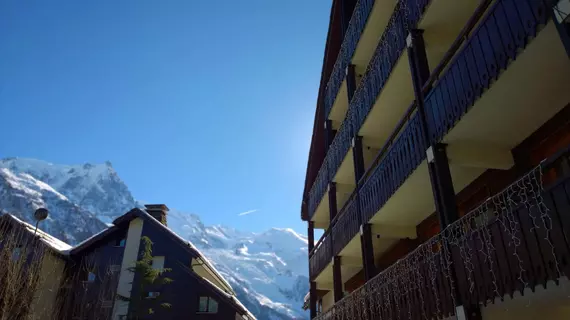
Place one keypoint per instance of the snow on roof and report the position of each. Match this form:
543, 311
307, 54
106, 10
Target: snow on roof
65, 248
45, 237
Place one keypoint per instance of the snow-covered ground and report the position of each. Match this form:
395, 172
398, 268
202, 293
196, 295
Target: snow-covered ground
268, 270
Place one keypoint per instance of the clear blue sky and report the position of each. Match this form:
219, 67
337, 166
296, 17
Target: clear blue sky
206, 106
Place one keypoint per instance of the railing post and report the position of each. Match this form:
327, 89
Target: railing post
313, 299
367, 251
337, 279
311, 235
358, 157
350, 81
438, 164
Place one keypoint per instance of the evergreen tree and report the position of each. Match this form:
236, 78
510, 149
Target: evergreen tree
141, 304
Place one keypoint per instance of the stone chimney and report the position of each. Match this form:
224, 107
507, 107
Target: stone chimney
158, 211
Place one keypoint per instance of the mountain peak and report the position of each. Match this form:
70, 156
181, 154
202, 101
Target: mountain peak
290, 232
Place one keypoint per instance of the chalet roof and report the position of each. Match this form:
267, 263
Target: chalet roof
66, 249
51, 241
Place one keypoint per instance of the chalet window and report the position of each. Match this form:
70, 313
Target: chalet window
91, 277
120, 242
208, 305
158, 263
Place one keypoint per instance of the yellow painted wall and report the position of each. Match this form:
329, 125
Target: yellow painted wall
328, 300
129, 259
51, 274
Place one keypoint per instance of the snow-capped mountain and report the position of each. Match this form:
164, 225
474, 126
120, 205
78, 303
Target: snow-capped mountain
267, 270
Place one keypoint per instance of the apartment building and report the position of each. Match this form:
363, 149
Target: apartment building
438, 169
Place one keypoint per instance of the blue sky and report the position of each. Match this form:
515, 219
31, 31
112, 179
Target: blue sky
206, 106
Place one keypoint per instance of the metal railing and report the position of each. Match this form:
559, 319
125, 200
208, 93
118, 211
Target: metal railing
390, 47
402, 156
355, 28
462, 80
496, 41
398, 158
513, 242
321, 255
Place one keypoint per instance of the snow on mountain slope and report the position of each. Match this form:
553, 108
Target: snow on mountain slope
96, 188
268, 270
21, 194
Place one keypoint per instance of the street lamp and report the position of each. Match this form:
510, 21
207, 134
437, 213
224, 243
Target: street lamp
39, 215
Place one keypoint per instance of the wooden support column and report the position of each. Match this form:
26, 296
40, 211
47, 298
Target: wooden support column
350, 81
329, 134
367, 251
337, 279
311, 235
313, 300
438, 164
358, 157
442, 185
332, 201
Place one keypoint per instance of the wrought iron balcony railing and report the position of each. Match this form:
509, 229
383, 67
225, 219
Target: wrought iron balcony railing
514, 241
498, 39
405, 151
392, 43
356, 25
463, 80
321, 255
347, 225
399, 157
319, 188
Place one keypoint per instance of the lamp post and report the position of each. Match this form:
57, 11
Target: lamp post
39, 215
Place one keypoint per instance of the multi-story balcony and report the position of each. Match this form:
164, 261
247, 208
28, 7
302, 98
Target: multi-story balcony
513, 244
503, 77
375, 45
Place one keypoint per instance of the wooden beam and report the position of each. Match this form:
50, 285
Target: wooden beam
337, 279
367, 249
332, 201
